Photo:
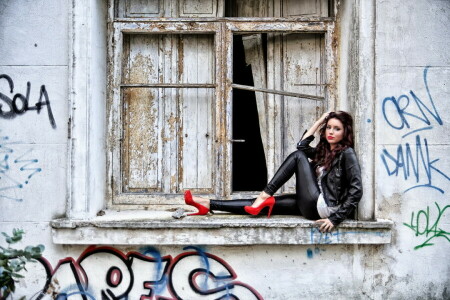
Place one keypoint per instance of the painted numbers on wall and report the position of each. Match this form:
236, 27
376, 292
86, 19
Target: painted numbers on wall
19, 104
107, 273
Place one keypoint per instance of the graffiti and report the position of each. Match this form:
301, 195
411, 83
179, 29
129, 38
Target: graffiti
310, 252
403, 111
405, 163
19, 104
428, 229
107, 273
318, 237
415, 164
15, 170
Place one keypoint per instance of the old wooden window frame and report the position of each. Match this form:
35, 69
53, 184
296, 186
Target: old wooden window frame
223, 31
325, 26
87, 167
116, 197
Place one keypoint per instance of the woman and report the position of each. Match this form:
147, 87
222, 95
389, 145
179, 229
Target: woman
327, 190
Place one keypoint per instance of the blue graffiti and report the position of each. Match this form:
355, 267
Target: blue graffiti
310, 252
160, 285
403, 111
408, 164
205, 260
73, 290
9, 166
222, 278
318, 237
63, 296
28, 163
420, 166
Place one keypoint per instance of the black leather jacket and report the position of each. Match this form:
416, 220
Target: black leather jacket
341, 184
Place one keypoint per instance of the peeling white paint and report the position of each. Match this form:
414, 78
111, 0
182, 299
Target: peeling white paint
277, 258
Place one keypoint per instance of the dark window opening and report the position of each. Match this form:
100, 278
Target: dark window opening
249, 171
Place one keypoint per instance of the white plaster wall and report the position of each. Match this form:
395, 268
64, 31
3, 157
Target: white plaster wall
409, 36
34, 49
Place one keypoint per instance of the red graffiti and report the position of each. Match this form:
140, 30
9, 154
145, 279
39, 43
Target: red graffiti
108, 273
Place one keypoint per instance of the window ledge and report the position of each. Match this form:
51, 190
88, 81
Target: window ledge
160, 228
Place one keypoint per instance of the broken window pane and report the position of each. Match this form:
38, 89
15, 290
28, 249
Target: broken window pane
289, 67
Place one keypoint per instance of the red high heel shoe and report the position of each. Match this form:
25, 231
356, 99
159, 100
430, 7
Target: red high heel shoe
256, 210
202, 210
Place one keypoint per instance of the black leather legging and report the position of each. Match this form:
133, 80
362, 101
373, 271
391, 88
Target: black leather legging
304, 202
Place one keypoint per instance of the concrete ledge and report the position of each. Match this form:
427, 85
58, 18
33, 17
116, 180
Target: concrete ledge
159, 228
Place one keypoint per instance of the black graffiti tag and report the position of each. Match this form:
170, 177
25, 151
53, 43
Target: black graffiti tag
18, 105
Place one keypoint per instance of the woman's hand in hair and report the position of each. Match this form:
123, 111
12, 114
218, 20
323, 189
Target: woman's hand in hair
324, 116
316, 126
326, 226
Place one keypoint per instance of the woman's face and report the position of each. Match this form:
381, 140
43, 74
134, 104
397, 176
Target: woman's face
334, 132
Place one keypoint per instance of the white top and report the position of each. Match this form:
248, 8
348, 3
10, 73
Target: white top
322, 208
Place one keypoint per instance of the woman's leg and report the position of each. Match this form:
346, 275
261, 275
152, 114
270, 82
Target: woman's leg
306, 183
304, 203
284, 205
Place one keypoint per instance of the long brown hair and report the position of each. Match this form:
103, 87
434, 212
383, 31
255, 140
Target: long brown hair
324, 154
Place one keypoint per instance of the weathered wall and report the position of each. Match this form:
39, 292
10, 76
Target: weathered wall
412, 66
412, 165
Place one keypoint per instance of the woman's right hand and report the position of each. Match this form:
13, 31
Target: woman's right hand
316, 126
324, 116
